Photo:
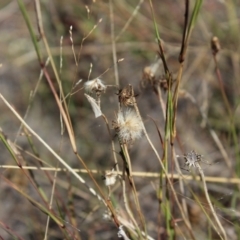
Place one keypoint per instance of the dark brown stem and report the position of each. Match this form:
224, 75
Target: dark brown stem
183, 47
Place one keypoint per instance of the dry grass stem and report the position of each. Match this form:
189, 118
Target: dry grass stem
88, 146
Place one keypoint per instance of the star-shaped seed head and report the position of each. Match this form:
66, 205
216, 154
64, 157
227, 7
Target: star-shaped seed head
192, 158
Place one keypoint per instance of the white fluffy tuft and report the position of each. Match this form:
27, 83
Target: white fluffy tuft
129, 126
95, 85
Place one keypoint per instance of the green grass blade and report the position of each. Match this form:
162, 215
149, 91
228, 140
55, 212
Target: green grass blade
30, 28
9, 148
193, 18
36, 204
159, 40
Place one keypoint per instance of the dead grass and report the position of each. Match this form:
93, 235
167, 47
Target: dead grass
207, 121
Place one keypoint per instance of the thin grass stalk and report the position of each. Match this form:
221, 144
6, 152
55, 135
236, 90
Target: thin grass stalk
131, 227
73, 50
112, 143
175, 100
32, 179
134, 13
72, 214
202, 208
103, 199
16, 155
230, 114
221, 86
168, 125
188, 27
185, 38
84, 38
35, 203
211, 131
163, 190
32, 96
165, 172
30, 29
54, 179
193, 19
31, 144
9, 148
77, 60
161, 53
181, 57
161, 101
168, 132
50, 206
36, 154
133, 187
145, 131
64, 111
137, 174
60, 96
215, 137
114, 52
223, 236
10, 231
181, 184
125, 200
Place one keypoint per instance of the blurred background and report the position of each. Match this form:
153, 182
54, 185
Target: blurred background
135, 42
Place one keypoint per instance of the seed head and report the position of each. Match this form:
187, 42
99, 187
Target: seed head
148, 73
192, 158
126, 96
128, 126
95, 85
110, 178
215, 45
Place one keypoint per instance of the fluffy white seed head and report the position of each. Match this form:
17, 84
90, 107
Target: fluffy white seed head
95, 85
110, 178
128, 126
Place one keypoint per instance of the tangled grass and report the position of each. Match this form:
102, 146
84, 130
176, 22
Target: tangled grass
119, 120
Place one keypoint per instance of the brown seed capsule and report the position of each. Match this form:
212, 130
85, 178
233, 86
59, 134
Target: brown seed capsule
126, 96
215, 45
163, 84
